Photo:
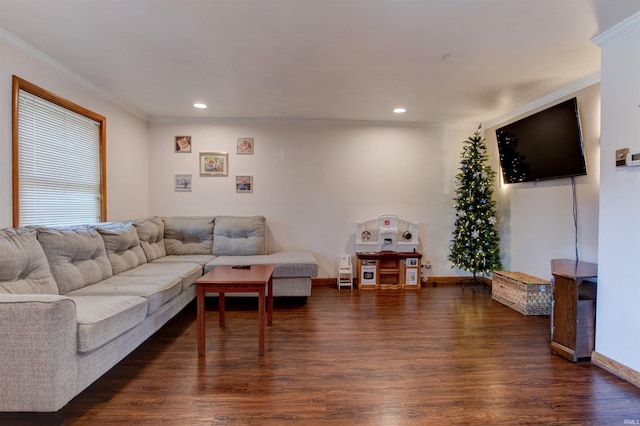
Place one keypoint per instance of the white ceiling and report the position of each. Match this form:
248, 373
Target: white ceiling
444, 60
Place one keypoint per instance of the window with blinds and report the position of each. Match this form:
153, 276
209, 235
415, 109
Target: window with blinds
59, 167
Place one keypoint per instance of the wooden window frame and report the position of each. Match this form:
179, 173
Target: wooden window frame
21, 84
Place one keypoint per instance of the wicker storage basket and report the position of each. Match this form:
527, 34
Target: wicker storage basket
524, 293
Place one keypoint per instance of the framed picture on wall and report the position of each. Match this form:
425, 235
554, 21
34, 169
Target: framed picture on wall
244, 184
244, 146
182, 144
214, 164
182, 182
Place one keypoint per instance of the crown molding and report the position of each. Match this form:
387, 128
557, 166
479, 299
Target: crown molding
43, 59
545, 100
600, 40
293, 122
618, 30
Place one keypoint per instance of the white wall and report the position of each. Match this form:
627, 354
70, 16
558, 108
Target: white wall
127, 136
618, 315
314, 179
536, 219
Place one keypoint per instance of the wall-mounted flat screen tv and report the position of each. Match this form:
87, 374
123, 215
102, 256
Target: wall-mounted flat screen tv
545, 145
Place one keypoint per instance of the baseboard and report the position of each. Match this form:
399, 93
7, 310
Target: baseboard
324, 282
433, 281
614, 367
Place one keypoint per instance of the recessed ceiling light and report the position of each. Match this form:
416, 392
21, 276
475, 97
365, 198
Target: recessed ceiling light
400, 110
201, 106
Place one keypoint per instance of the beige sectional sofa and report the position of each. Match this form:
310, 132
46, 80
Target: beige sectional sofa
74, 301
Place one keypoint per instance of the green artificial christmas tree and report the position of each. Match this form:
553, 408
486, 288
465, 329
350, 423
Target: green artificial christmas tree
475, 244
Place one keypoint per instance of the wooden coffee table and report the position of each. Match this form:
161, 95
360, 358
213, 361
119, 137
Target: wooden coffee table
221, 279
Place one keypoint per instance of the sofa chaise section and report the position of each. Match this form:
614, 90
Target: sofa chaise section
291, 276
242, 241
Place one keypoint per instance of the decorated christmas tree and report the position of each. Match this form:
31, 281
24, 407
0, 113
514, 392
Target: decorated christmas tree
475, 244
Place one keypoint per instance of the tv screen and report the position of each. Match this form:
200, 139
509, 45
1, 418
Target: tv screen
545, 145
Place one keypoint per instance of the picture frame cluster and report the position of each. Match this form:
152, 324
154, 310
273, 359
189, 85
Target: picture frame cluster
212, 163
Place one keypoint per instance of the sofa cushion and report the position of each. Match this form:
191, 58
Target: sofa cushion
188, 272
101, 319
239, 236
123, 246
287, 264
188, 235
76, 256
157, 290
23, 264
151, 234
198, 259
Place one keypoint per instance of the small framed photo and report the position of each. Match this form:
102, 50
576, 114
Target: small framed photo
183, 144
412, 262
244, 146
244, 183
412, 277
182, 182
214, 164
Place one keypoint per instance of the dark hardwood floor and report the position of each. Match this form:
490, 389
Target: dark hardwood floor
437, 356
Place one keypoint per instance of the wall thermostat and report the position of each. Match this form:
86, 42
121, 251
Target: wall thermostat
633, 159
621, 157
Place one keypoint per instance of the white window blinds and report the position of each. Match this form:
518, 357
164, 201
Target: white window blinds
59, 164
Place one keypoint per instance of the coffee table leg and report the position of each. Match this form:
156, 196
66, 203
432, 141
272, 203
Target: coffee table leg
221, 308
201, 334
270, 296
261, 304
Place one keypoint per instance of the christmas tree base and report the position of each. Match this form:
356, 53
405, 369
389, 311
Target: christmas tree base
472, 283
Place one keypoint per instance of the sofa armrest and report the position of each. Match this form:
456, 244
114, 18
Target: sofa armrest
38, 357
